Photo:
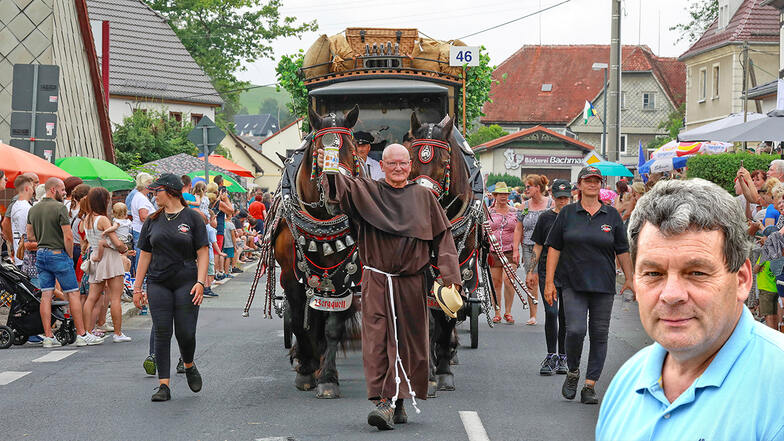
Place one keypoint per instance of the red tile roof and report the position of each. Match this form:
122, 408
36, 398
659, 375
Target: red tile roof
751, 22
520, 99
489, 145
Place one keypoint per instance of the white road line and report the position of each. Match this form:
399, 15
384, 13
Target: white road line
54, 356
473, 426
9, 376
276, 438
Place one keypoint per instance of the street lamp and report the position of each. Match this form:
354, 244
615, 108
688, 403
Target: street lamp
598, 66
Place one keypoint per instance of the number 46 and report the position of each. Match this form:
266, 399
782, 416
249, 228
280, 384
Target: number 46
464, 56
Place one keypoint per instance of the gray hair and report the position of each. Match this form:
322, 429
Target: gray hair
676, 206
143, 180
778, 164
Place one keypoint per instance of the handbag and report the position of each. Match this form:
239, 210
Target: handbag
86, 262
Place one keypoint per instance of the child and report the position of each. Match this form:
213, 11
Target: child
212, 237
121, 226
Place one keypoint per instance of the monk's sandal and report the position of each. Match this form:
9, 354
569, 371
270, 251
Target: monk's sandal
400, 416
382, 416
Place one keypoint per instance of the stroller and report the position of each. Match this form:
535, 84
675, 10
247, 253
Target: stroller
24, 318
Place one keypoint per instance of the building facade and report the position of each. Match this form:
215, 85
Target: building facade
266, 172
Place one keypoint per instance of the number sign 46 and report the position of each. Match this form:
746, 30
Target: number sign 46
464, 55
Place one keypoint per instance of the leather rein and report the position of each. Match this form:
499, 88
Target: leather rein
425, 153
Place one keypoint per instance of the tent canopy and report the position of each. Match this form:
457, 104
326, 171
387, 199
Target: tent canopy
14, 162
703, 133
770, 128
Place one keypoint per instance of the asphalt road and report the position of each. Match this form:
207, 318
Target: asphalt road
102, 393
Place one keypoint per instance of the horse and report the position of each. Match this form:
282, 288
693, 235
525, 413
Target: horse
313, 244
438, 163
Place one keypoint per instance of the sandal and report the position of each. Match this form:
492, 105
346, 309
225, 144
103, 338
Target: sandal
531, 321
509, 319
497, 319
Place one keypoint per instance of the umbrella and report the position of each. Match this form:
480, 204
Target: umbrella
703, 133
97, 172
180, 164
675, 148
612, 169
770, 128
16, 161
232, 186
224, 163
663, 164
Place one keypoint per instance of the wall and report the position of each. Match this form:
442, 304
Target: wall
287, 139
121, 107
270, 176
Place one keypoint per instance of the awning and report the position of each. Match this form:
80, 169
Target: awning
226, 164
380, 86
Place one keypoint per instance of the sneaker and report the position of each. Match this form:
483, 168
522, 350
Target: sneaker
194, 378
106, 327
163, 393
569, 388
120, 338
548, 365
220, 276
382, 416
80, 341
561, 367
35, 339
588, 395
236, 270
90, 339
125, 298
97, 332
400, 416
149, 365
208, 292
143, 311
51, 342
180, 367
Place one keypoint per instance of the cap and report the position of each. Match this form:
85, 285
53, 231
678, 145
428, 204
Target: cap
561, 188
363, 137
167, 180
588, 172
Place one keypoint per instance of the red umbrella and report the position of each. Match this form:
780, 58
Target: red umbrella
226, 164
17, 161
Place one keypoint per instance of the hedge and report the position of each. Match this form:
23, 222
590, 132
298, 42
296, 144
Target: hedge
722, 169
511, 181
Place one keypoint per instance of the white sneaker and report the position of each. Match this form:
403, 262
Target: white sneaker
120, 338
51, 342
106, 327
80, 341
89, 339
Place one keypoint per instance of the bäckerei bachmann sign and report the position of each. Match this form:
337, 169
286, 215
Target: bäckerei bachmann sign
516, 160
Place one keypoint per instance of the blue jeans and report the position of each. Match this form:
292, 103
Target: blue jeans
56, 265
135, 259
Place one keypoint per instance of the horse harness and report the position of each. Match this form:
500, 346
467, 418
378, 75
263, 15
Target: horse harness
425, 154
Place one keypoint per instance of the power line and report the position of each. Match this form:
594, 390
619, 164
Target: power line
516, 19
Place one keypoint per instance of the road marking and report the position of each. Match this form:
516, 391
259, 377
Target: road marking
10, 376
473, 426
54, 356
277, 438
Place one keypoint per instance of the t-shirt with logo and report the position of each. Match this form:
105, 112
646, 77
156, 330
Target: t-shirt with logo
18, 215
173, 242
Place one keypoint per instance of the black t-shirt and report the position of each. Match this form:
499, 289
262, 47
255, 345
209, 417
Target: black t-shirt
172, 243
588, 246
539, 236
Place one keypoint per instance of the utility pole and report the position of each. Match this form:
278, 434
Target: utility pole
745, 83
615, 83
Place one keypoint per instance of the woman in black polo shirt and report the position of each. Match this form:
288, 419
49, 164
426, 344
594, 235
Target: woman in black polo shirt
173, 244
585, 239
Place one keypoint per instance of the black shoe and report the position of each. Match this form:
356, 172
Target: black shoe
561, 366
548, 365
149, 365
180, 367
236, 270
400, 416
382, 416
588, 395
208, 292
162, 394
194, 378
569, 389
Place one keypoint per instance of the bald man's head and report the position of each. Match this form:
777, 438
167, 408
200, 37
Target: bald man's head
55, 189
394, 148
396, 165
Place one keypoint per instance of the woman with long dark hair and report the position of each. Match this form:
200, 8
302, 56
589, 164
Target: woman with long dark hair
173, 244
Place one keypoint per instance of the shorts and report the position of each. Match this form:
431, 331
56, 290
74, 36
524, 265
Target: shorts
768, 302
229, 252
528, 255
56, 265
220, 241
495, 262
211, 269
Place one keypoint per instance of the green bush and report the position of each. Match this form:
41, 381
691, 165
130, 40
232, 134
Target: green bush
511, 181
722, 169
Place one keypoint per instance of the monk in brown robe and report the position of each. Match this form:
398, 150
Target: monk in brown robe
399, 226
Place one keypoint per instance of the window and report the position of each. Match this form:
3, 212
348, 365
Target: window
177, 116
716, 81
622, 145
649, 101
195, 118
703, 86
724, 16
623, 100
547, 87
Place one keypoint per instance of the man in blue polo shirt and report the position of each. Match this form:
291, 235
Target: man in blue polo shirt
713, 373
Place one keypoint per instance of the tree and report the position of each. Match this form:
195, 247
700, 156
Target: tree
291, 80
509, 180
703, 13
485, 134
221, 34
270, 106
150, 135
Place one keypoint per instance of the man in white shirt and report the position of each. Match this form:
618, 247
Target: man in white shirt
18, 213
372, 167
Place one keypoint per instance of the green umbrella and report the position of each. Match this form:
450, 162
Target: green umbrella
612, 169
232, 186
96, 172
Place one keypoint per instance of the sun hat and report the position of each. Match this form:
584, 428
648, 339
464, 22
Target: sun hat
448, 299
500, 187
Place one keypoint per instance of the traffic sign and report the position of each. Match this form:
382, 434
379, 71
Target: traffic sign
45, 125
206, 133
464, 55
45, 85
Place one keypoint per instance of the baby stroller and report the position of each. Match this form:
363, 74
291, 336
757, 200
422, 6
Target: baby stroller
24, 318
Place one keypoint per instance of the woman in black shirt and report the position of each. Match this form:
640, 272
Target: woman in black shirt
173, 243
584, 242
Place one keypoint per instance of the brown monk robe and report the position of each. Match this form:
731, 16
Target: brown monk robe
397, 230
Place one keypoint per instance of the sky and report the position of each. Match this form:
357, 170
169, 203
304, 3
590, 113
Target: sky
575, 22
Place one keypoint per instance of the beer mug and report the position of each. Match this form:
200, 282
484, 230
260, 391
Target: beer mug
331, 143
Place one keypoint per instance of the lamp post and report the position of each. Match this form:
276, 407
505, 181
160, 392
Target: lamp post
597, 66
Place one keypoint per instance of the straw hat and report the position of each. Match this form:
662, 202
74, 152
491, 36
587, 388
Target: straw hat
448, 299
500, 187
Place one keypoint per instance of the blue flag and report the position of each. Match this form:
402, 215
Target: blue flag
641, 158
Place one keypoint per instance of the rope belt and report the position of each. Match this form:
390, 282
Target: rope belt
398, 360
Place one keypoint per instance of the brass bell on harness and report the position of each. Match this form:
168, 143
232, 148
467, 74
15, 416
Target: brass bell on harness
312, 246
339, 246
349, 240
327, 249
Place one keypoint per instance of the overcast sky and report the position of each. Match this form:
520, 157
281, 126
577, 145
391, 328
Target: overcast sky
575, 22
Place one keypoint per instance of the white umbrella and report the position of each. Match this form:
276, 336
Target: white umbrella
702, 133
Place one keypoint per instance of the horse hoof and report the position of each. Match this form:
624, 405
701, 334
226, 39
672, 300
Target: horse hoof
305, 382
446, 382
432, 387
328, 391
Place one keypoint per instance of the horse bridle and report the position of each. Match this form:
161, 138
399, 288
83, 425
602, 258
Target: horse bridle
332, 136
425, 154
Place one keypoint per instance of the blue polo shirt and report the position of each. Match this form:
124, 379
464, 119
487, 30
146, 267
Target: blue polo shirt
738, 397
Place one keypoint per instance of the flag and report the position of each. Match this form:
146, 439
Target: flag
588, 111
641, 159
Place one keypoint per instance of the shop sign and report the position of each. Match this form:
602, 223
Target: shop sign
516, 160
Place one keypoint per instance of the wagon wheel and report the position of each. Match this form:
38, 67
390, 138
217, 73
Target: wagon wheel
6, 337
287, 326
475, 307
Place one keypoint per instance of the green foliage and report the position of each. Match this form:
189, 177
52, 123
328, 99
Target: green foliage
479, 79
673, 124
721, 169
291, 80
702, 13
148, 136
511, 181
221, 34
484, 134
